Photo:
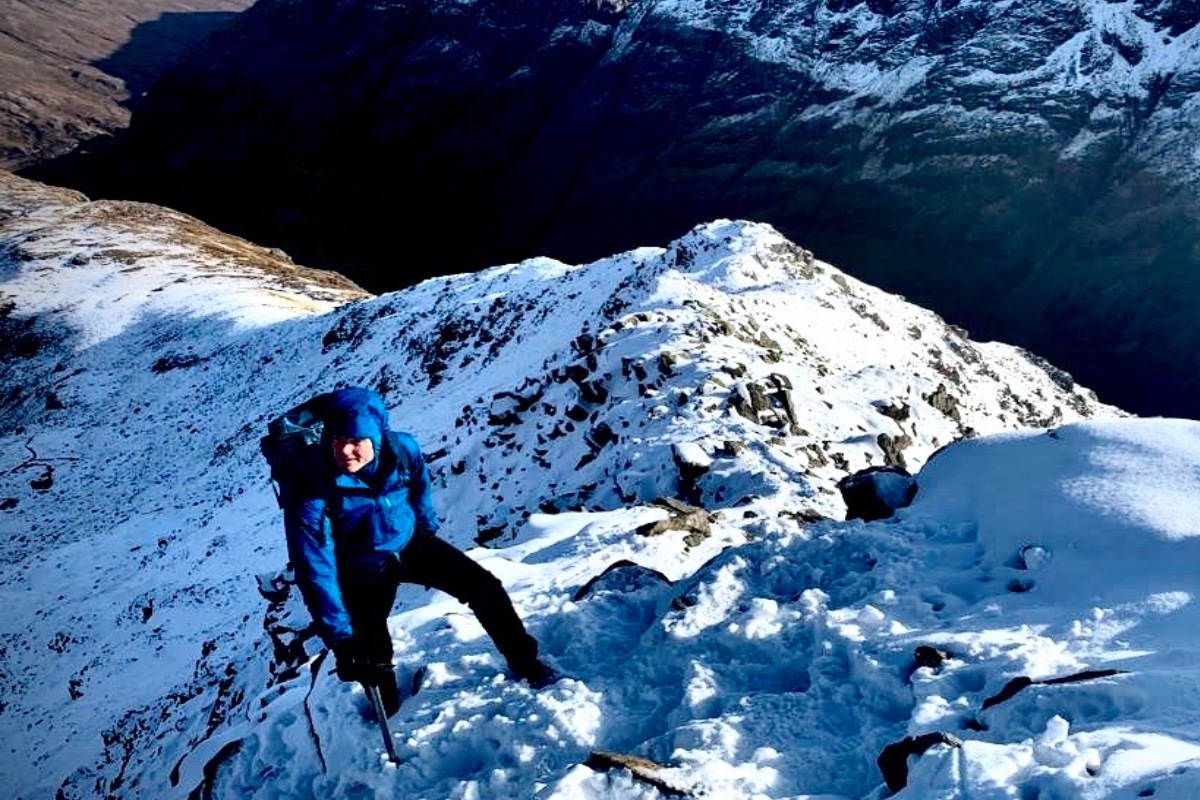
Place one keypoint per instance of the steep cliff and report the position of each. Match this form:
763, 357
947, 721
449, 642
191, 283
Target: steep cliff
1027, 169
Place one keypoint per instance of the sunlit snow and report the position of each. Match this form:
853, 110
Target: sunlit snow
566, 411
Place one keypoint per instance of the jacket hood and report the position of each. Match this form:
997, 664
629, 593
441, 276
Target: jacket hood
356, 413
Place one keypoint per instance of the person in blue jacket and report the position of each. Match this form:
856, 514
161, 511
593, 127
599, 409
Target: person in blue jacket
363, 524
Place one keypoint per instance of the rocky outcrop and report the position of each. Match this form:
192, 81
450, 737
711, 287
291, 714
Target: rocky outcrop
876, 492
641, 769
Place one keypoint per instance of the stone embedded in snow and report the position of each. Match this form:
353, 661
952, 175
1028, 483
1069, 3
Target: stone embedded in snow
893, 761
643, 769
1022, 682
696, 522
876, 492
767, 402
692, 462
929, 656
624, 576
1034, 557
692, 455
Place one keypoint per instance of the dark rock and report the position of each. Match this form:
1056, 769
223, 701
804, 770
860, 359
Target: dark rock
898, 411
601, 436
1086, 675
875, 493
929, 656
1021, 682
594, 392
490, 534
1010, 690
690, 472
893, 761
577, 413
176, 361
730, 448
622, 576
806, 515
43, 482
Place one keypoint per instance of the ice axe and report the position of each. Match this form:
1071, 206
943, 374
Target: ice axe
377, 705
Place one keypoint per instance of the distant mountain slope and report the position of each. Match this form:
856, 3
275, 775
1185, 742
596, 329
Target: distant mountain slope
145, 353
1025, 168
72, 70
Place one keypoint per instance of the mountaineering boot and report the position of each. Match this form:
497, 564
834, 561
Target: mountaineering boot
537, 673
382, 677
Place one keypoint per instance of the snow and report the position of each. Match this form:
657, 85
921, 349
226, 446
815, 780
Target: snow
773, 657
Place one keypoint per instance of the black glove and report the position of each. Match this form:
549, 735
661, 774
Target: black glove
374, 673
352, 667
348, 663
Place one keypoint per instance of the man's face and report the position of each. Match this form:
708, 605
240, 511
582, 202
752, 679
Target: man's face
352, 455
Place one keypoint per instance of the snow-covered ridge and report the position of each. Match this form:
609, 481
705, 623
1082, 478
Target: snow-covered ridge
556, 404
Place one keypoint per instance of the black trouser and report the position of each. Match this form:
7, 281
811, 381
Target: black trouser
433, 562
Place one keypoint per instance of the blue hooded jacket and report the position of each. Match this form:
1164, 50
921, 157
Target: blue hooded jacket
342, 527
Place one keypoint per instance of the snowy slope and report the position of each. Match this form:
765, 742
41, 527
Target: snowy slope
149, 655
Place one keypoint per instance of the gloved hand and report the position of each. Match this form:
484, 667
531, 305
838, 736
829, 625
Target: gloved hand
349, 665
373, 673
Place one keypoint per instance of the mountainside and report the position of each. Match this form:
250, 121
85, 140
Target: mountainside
1025, 168
144, 353
73, 70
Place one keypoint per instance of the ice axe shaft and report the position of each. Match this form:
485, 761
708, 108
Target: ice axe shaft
377, 705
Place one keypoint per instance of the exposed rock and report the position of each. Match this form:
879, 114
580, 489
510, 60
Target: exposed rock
1021, 682
944, 402
806, 516
893, 449
623, 576
692, 463
730, 448
767, 402
286, 623
898, 410
696, 522
893, 761
928, 656
643, 769
875, 493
